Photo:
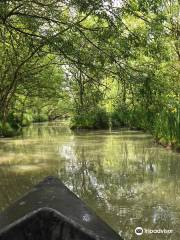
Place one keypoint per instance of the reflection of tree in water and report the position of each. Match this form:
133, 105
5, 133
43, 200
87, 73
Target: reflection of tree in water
43, 130
117, 187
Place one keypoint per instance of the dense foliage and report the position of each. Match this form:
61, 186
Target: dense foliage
104, 63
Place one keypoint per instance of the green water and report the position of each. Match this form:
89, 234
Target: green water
127, 179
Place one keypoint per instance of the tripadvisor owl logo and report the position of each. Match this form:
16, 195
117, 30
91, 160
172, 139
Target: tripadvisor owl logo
139, 231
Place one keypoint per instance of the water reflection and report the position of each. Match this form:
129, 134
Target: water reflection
122, 175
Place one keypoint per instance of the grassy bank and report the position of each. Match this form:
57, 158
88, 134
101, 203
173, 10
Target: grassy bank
164, 126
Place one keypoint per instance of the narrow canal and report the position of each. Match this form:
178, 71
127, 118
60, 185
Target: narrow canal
127, 179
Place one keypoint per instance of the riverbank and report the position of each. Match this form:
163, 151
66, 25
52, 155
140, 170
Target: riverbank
9, 131
169, 146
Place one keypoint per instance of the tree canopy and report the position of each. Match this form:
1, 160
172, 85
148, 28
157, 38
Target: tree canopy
104, 63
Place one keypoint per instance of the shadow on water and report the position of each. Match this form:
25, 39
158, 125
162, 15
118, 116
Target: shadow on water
122, 175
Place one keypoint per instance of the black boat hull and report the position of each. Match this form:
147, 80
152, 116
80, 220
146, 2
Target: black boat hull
52, 212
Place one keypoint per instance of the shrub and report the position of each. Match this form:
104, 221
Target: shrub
95, 119
40, 118
8, 131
